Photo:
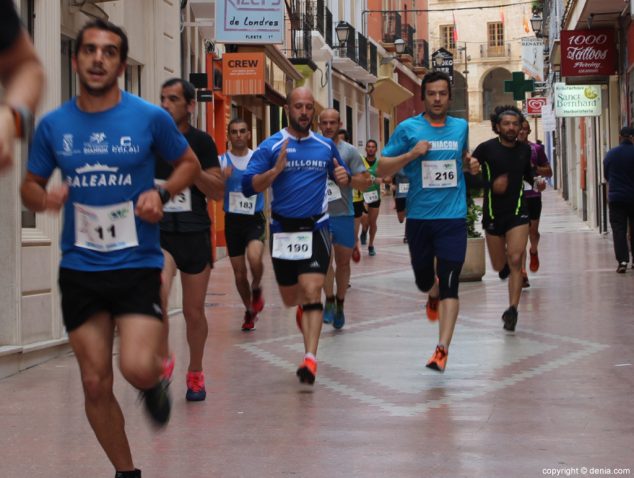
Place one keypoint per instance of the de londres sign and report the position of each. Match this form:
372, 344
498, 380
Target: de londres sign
588, 52
250, 21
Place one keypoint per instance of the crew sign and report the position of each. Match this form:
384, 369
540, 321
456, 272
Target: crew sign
250, 21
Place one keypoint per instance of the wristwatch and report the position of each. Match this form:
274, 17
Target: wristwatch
23, 120
164, 194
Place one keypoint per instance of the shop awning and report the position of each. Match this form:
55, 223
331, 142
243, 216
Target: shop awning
387, 94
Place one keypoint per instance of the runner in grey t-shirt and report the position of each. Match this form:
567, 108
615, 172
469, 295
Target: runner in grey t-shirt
341, 220
343, 206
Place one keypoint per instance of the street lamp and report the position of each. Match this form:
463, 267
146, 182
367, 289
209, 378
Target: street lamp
537, 23
343, 31
399, 47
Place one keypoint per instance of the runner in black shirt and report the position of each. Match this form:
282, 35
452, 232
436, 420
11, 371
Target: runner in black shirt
506, 164
186, 235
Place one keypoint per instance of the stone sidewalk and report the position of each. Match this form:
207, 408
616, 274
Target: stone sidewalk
556, 395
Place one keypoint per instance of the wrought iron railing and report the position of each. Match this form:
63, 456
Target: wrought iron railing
374, 60
391, 27
421, 53
363, 51
302, 20
408, 38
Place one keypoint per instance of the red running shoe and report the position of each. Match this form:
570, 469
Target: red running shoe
257, 301
534, 265
249, 321
307, 371
356, 254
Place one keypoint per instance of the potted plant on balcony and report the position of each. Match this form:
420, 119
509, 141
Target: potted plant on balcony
474, 266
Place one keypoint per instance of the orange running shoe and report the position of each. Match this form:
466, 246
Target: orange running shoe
307, 371
432, 308
299, 313
438, 361
534, 265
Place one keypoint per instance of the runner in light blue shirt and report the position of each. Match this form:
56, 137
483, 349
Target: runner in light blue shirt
430, 149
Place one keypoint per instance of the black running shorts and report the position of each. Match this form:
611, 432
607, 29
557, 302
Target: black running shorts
534, 205
191, 250
500, 225
118, 292
400, 204
359, 208
241, 229
287, 272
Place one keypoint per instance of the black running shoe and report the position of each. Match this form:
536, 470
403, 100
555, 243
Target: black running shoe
158, 403
622, 268
509, 317
128, 474
505, 272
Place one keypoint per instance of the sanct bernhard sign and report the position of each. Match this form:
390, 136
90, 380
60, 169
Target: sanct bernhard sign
588, 52
577, 100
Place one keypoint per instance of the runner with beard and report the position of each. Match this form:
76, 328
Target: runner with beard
296, 163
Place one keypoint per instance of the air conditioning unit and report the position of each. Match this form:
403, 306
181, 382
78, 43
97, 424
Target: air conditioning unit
88, 7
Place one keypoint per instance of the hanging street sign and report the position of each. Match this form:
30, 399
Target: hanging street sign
442, 60
534, 105
577, 100
518, 86
250, 22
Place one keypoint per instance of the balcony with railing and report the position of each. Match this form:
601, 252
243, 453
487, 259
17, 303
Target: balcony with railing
351, 58
502, 52
391, 27
420, 63
321, 35
302, 19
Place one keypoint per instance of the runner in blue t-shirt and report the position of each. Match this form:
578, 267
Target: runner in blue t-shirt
110, 274
296, 163
245, 224
430, 148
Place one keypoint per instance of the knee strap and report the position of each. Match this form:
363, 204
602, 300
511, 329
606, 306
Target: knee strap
314, 306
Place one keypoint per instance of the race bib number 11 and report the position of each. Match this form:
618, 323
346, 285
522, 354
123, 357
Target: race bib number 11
105, 228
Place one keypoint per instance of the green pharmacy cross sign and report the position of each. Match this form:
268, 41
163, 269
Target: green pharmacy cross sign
518, 86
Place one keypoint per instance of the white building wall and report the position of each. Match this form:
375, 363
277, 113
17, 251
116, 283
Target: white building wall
31, 327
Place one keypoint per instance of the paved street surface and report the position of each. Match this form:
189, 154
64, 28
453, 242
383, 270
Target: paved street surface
555, 396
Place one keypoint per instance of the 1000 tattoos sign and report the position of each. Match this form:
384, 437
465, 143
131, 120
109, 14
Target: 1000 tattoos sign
250, 21
587, 52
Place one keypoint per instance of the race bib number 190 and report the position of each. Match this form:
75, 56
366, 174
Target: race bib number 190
293, 246
105, 228
440, 174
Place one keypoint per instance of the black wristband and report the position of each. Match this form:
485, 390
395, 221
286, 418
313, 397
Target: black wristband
164, 194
